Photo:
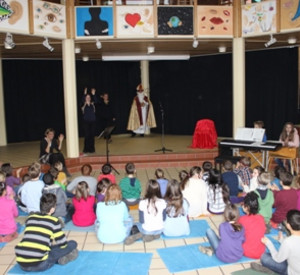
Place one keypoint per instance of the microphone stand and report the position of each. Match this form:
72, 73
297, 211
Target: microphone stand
163, 149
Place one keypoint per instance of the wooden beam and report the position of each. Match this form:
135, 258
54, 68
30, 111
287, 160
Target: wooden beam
30, 16
237, 18
70, 19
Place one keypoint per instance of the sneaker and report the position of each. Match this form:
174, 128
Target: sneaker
259, 267
150, 238
69, 257
206, 250
132, 238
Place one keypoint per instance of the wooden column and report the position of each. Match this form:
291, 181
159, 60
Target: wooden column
144, 65
3, 140
70, 98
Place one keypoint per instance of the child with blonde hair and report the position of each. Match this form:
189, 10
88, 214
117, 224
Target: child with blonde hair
114, 221
162, 181
61, 177
83, 203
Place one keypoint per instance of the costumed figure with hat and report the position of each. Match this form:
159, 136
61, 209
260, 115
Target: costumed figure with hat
141, 116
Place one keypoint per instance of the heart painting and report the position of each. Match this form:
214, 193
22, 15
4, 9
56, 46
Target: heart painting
132, 19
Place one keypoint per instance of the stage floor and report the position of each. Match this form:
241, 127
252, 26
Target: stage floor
23, 154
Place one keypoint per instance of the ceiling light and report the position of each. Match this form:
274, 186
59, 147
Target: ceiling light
195, 43
9, 41
77, 50
47, 45
150, 49
144, 57
222, 49
98, 44
292, 40
85, 58
272, 41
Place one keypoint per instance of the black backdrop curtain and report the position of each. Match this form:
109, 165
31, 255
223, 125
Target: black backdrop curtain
187, 91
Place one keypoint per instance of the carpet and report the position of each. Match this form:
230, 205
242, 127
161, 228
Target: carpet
69, 226
104, 263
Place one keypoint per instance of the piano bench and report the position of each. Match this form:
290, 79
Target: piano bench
219, 160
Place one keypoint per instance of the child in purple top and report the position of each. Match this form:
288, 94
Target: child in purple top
102, 186
10, 180
228, 247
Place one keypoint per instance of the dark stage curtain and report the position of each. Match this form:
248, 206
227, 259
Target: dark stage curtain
187, 90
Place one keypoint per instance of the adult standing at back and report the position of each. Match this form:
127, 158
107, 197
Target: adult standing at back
89, 119
141, 116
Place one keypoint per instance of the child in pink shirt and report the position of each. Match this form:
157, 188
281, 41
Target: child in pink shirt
107, 174
83, 203
8, 213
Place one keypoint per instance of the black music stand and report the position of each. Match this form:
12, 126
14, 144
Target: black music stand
163, 149
106, 134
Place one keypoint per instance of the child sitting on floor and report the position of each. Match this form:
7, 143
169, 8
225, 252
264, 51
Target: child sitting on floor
254, 226
61, 177
113, 220
228, 247
8, 213
254, 180
83, 203
287, 259
151, 215
130, 186
194, 190
10, 194
10, 180
37, 251
107, 174
162, 181
243, 171
265, 198
176, 222
54, 172
284, 200
206, 166
217, 193
277, 171
101, 189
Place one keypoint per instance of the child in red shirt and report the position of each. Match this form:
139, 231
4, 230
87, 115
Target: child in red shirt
107, 174
254, 225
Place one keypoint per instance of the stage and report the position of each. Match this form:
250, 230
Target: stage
122, 149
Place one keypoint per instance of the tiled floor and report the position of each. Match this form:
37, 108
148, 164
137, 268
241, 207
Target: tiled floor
88, 240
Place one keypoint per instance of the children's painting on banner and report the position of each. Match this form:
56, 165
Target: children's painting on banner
259, 18
49, 19
14, 16
175, 21
135, 21
214, 21
94, 21
290, 14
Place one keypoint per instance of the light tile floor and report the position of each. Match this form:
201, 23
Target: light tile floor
88, 240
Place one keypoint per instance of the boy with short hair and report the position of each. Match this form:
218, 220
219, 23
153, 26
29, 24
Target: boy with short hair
31, 191
231, 179
243, 170
265, 197
284, 200
130, 186
36, 252
286, 260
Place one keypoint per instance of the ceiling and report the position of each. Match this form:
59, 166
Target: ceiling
30, 47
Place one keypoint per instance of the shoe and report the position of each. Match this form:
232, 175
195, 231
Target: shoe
150, 238
132, 238
69, 257
133, 134
134, 230
261, 268
206, 250
142, 135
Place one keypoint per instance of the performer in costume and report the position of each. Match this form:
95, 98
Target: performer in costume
141, 116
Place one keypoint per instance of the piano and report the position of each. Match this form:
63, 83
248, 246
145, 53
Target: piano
249, 146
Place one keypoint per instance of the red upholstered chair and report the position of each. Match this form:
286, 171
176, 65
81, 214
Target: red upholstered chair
205, 134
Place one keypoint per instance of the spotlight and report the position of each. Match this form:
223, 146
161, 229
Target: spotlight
292, 40
77, 50
222, 49
150, 49
85, 58
98, 44
9, 42
272, 41
47, 45
195, 43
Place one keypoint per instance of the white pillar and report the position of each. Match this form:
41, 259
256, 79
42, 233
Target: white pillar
239, 94
69, 71
3, 140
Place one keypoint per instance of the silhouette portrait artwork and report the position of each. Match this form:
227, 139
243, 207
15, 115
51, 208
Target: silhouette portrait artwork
95, 26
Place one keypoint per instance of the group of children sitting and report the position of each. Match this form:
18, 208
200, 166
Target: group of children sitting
165, 209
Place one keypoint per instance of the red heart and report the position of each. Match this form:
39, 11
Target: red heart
132, 19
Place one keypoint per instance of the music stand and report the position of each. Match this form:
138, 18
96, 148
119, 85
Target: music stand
106, 134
